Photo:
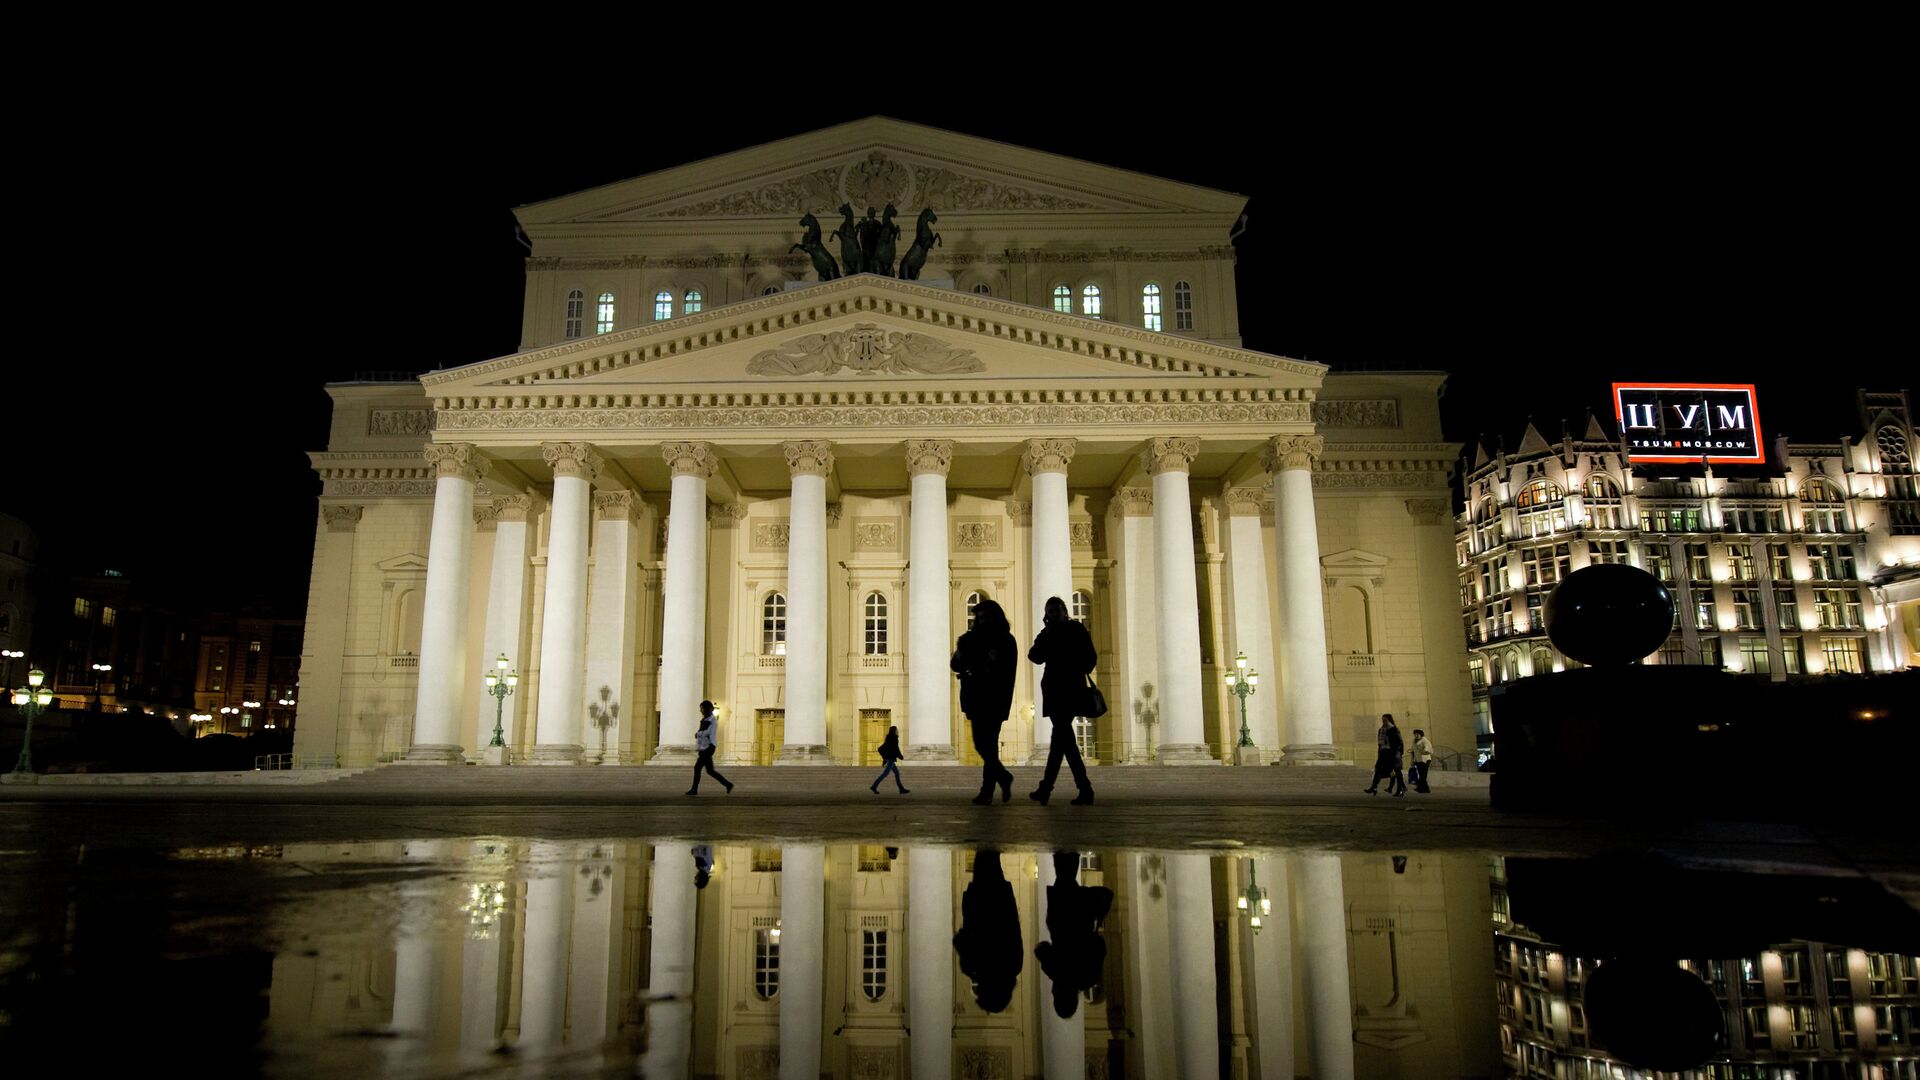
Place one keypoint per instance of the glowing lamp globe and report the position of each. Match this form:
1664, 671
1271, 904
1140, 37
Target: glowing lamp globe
1609, 614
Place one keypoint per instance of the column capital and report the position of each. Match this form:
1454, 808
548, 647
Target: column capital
572, 459
1131, 502
1430, 511
1170, 455
833, 513
341, 518
515, 507
1292, 452
1248, 501
808, 457
454, 459
615, 505
929, 456
726, 513
1047, 455
1020, 511
689, 458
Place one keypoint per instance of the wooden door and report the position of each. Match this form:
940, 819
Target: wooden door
770, 734
873, 731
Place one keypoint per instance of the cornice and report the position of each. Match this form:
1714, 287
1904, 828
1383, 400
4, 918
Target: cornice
750, 261
650, 422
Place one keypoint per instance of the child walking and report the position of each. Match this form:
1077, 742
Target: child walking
890, 753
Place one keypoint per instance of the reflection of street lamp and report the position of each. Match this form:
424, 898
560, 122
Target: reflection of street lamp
198, 719
1241, 682
1253, 902
98, 671
500, 682
31, 698
11, 655
485, 902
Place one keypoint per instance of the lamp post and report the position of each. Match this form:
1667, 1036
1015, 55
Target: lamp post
31, 698
99, 670
1253, 902
1241, 682
500, 682
11, 655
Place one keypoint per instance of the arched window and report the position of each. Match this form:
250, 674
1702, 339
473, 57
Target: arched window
576, 313
873, 964
694, 302
1823, 510
1182, 306
1542, 661
973, 601
1063, 299
1513, 663
1150, 306
983, 289
1090, 301
876, 624
1077, 605
773, 625
603, 314
663, 305
1819, 490
1485, 511
771, 290
1601, 486
766, 964
1539, 493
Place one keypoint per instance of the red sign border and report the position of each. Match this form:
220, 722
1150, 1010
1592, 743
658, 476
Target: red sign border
1753, 402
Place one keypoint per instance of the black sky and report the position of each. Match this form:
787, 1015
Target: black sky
1537, 233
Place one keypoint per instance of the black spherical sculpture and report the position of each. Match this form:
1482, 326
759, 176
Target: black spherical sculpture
1609, 614
1651, 1014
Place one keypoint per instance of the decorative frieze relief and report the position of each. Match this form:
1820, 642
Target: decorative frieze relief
1385, 479
976, 534
1080, 533
377, 487
687, 417
1430, 511
341, 518
771, 535
866, 350
876, 535
875, 180
404, 422
1356, 413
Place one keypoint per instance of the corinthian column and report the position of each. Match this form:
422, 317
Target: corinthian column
1303, 653
676, 922
683, 636
1190, 922
1253, 618
809, 462
1168, 460
563, 633
1052, 572
803, 927
443, 629
929, 709
506, 615
930, 962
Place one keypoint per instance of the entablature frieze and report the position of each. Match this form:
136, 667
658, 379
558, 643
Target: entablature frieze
363, 473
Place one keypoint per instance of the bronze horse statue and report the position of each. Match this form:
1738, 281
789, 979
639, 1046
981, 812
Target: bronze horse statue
884, 239
924, 240
823, 265
849, 237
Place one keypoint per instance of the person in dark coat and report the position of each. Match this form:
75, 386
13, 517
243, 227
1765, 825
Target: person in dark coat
1076, 956
891, 755
1066, 649
984, 658
988, 941
1386, 761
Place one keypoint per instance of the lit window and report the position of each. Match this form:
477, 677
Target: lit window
1090, 301
876, 624
1182, 306
1538, 493
576, 312
1150, 307
253, 646
1823, 506
82, 607
1085, 736
108, 616
766, 965
982, 289
1077, 605
662, 305
773, 625
603, 319
1753, 656
873, 964
771, 290
973, 601
1063, 299
693, 303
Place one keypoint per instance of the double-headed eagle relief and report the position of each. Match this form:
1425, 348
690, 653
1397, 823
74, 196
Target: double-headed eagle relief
868, 245
867, 350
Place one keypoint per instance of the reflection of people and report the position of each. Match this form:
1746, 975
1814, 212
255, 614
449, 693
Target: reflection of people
989, 937
702, 865
985, 658
705, 740
1076, 953
1066, 649
891, 755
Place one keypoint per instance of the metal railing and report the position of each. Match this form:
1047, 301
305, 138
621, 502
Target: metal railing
277, 762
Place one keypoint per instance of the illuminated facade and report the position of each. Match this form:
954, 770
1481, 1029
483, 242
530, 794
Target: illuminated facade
1810, 567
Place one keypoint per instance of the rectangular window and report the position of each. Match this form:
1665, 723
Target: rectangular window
1779, 562
1787, 604
82, 607
1699, 565
766, 963
874, 859
1182, 306
1843, 654
1790, 660
1660, 561
1837, 609
1710, 650
1740, 561
766, 860
1831, 562
873, 964
1609, 551
1703, 610
1753, 656
1746, 609
108, 616
1673, 651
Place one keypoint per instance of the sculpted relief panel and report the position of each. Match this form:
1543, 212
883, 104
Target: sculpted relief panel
875, 180
866, 349
399, 422
1355, 413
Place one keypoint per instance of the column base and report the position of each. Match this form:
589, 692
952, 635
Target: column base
931, 755
1186, 754
1309, 754
555, 754
804, 754
679, 757
1248, 755
497, 755
433, 754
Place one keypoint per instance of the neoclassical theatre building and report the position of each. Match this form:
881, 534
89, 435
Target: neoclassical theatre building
709, 474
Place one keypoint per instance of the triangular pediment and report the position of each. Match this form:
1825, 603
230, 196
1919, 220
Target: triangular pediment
873, 162
1353, 562
868, 333
410, 563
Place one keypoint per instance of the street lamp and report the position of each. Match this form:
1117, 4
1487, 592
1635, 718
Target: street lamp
98, 671
31, 698
1241, 682
1253, 902
11, 655
501, 680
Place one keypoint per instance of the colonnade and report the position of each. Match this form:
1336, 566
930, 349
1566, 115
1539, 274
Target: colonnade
569, 647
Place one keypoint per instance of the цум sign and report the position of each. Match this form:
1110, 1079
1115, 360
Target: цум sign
1685, 422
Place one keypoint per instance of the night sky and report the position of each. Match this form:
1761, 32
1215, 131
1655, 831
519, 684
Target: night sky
1538, 240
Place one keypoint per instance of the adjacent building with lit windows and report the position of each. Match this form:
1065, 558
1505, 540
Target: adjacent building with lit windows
1810, 564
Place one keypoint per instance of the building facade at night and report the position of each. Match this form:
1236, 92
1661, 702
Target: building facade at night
709, 474
1810, 564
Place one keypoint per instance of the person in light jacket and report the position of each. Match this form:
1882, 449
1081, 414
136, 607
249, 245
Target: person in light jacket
1422, 754
705, 740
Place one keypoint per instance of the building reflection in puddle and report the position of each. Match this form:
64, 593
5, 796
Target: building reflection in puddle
803, 960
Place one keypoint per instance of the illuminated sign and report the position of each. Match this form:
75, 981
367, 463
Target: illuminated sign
1685, 422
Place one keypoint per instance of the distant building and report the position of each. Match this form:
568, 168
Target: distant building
247, 675
1806, 565
108, 647
19, 550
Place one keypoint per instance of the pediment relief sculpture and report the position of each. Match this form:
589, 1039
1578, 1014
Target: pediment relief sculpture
873, 181
867, 350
